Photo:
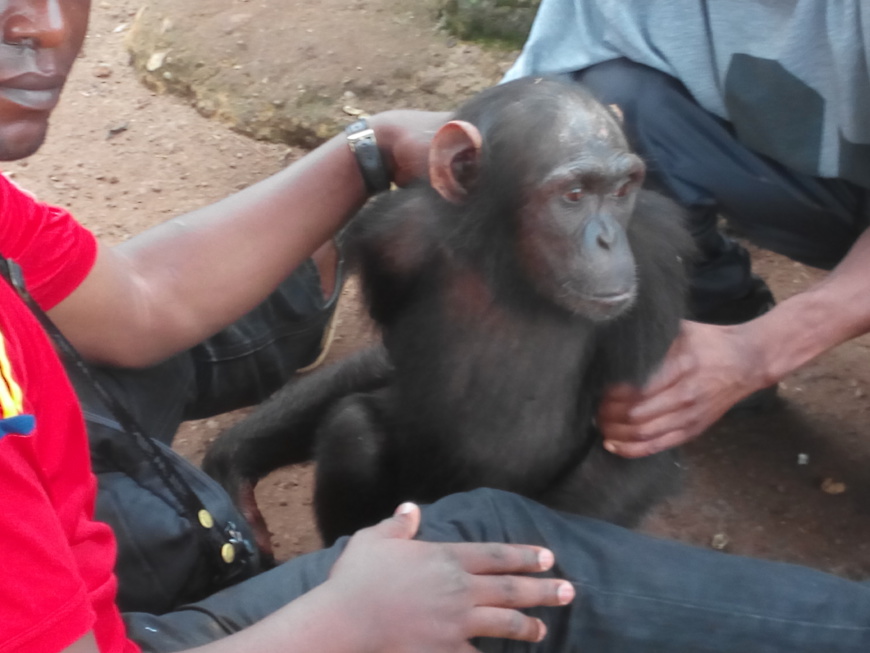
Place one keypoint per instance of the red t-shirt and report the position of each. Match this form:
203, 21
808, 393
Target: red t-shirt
56, 579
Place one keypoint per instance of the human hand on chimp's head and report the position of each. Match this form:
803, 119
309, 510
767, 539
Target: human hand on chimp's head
404, 138
407, 595
707, 370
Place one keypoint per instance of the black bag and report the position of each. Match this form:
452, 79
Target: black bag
180, 538
163, 561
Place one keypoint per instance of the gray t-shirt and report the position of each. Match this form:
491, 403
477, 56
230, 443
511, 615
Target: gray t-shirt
790, 75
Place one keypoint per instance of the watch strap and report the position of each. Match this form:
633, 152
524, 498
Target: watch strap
362, 142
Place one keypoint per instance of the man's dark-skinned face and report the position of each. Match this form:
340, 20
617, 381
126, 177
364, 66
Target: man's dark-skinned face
40, 42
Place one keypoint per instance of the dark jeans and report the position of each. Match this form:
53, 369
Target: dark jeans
694, 157
240, 366
635, 594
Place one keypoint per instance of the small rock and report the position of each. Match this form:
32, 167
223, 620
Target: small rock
155, 61
830, 486
720, 541
117, 129
102, 70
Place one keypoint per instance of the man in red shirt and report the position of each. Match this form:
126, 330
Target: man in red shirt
381, 590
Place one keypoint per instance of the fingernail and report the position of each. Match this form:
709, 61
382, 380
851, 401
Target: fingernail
610, 446
566, 593
405, 508
546, 558
542, 630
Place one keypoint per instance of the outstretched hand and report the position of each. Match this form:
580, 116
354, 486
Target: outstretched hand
707, 370
407, 595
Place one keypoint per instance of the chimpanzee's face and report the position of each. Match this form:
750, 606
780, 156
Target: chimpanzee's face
40, 42
573, 238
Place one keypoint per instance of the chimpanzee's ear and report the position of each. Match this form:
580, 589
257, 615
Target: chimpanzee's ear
454, 159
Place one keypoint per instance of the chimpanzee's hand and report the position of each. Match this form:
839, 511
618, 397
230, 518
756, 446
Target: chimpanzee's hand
707, 370
404, 137
406, 595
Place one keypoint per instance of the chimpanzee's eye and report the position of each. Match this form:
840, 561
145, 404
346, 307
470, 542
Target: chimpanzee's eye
574, 195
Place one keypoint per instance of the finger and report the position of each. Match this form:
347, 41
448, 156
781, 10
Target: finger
662, 395
520, 591
613, 412
640, 449
506, 624
402, 525
677, 419
674, 368
621, 392
668, 401
498, 558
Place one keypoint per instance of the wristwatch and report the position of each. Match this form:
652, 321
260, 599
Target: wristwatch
362, 142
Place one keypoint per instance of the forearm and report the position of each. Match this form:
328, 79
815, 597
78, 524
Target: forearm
314, 622
320, 620
179, 282
204, 269
812, 322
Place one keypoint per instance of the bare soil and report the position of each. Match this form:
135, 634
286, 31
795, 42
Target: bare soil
123, 158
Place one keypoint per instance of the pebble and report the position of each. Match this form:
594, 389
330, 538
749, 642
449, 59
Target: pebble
102, 70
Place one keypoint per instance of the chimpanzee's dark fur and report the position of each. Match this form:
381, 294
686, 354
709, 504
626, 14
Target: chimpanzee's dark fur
483, 379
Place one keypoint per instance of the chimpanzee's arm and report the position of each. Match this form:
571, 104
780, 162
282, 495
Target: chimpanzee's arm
281, 431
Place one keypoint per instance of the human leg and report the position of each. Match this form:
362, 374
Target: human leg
249, 360
239, 366
635, 594
695, 157
639, 594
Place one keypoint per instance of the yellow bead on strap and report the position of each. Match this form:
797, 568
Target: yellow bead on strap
205, 518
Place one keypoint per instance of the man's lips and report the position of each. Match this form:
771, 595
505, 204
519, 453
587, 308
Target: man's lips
32, 91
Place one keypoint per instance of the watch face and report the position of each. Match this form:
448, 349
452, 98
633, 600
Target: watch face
356, 127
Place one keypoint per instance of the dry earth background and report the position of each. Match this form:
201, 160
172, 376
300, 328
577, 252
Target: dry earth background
123, 157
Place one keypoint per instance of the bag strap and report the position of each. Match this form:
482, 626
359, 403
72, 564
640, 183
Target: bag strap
220, 548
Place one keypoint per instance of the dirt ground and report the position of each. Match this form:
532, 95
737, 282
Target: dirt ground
123, 158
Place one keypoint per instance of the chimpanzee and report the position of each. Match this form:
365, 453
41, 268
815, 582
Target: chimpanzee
528, 273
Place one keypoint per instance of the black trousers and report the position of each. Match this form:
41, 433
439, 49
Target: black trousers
635, 594
694, 157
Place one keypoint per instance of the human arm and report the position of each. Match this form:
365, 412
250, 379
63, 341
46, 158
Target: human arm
389, 593
177, 283
710, 368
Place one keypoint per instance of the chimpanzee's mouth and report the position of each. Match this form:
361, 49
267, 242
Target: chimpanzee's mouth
612, 299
